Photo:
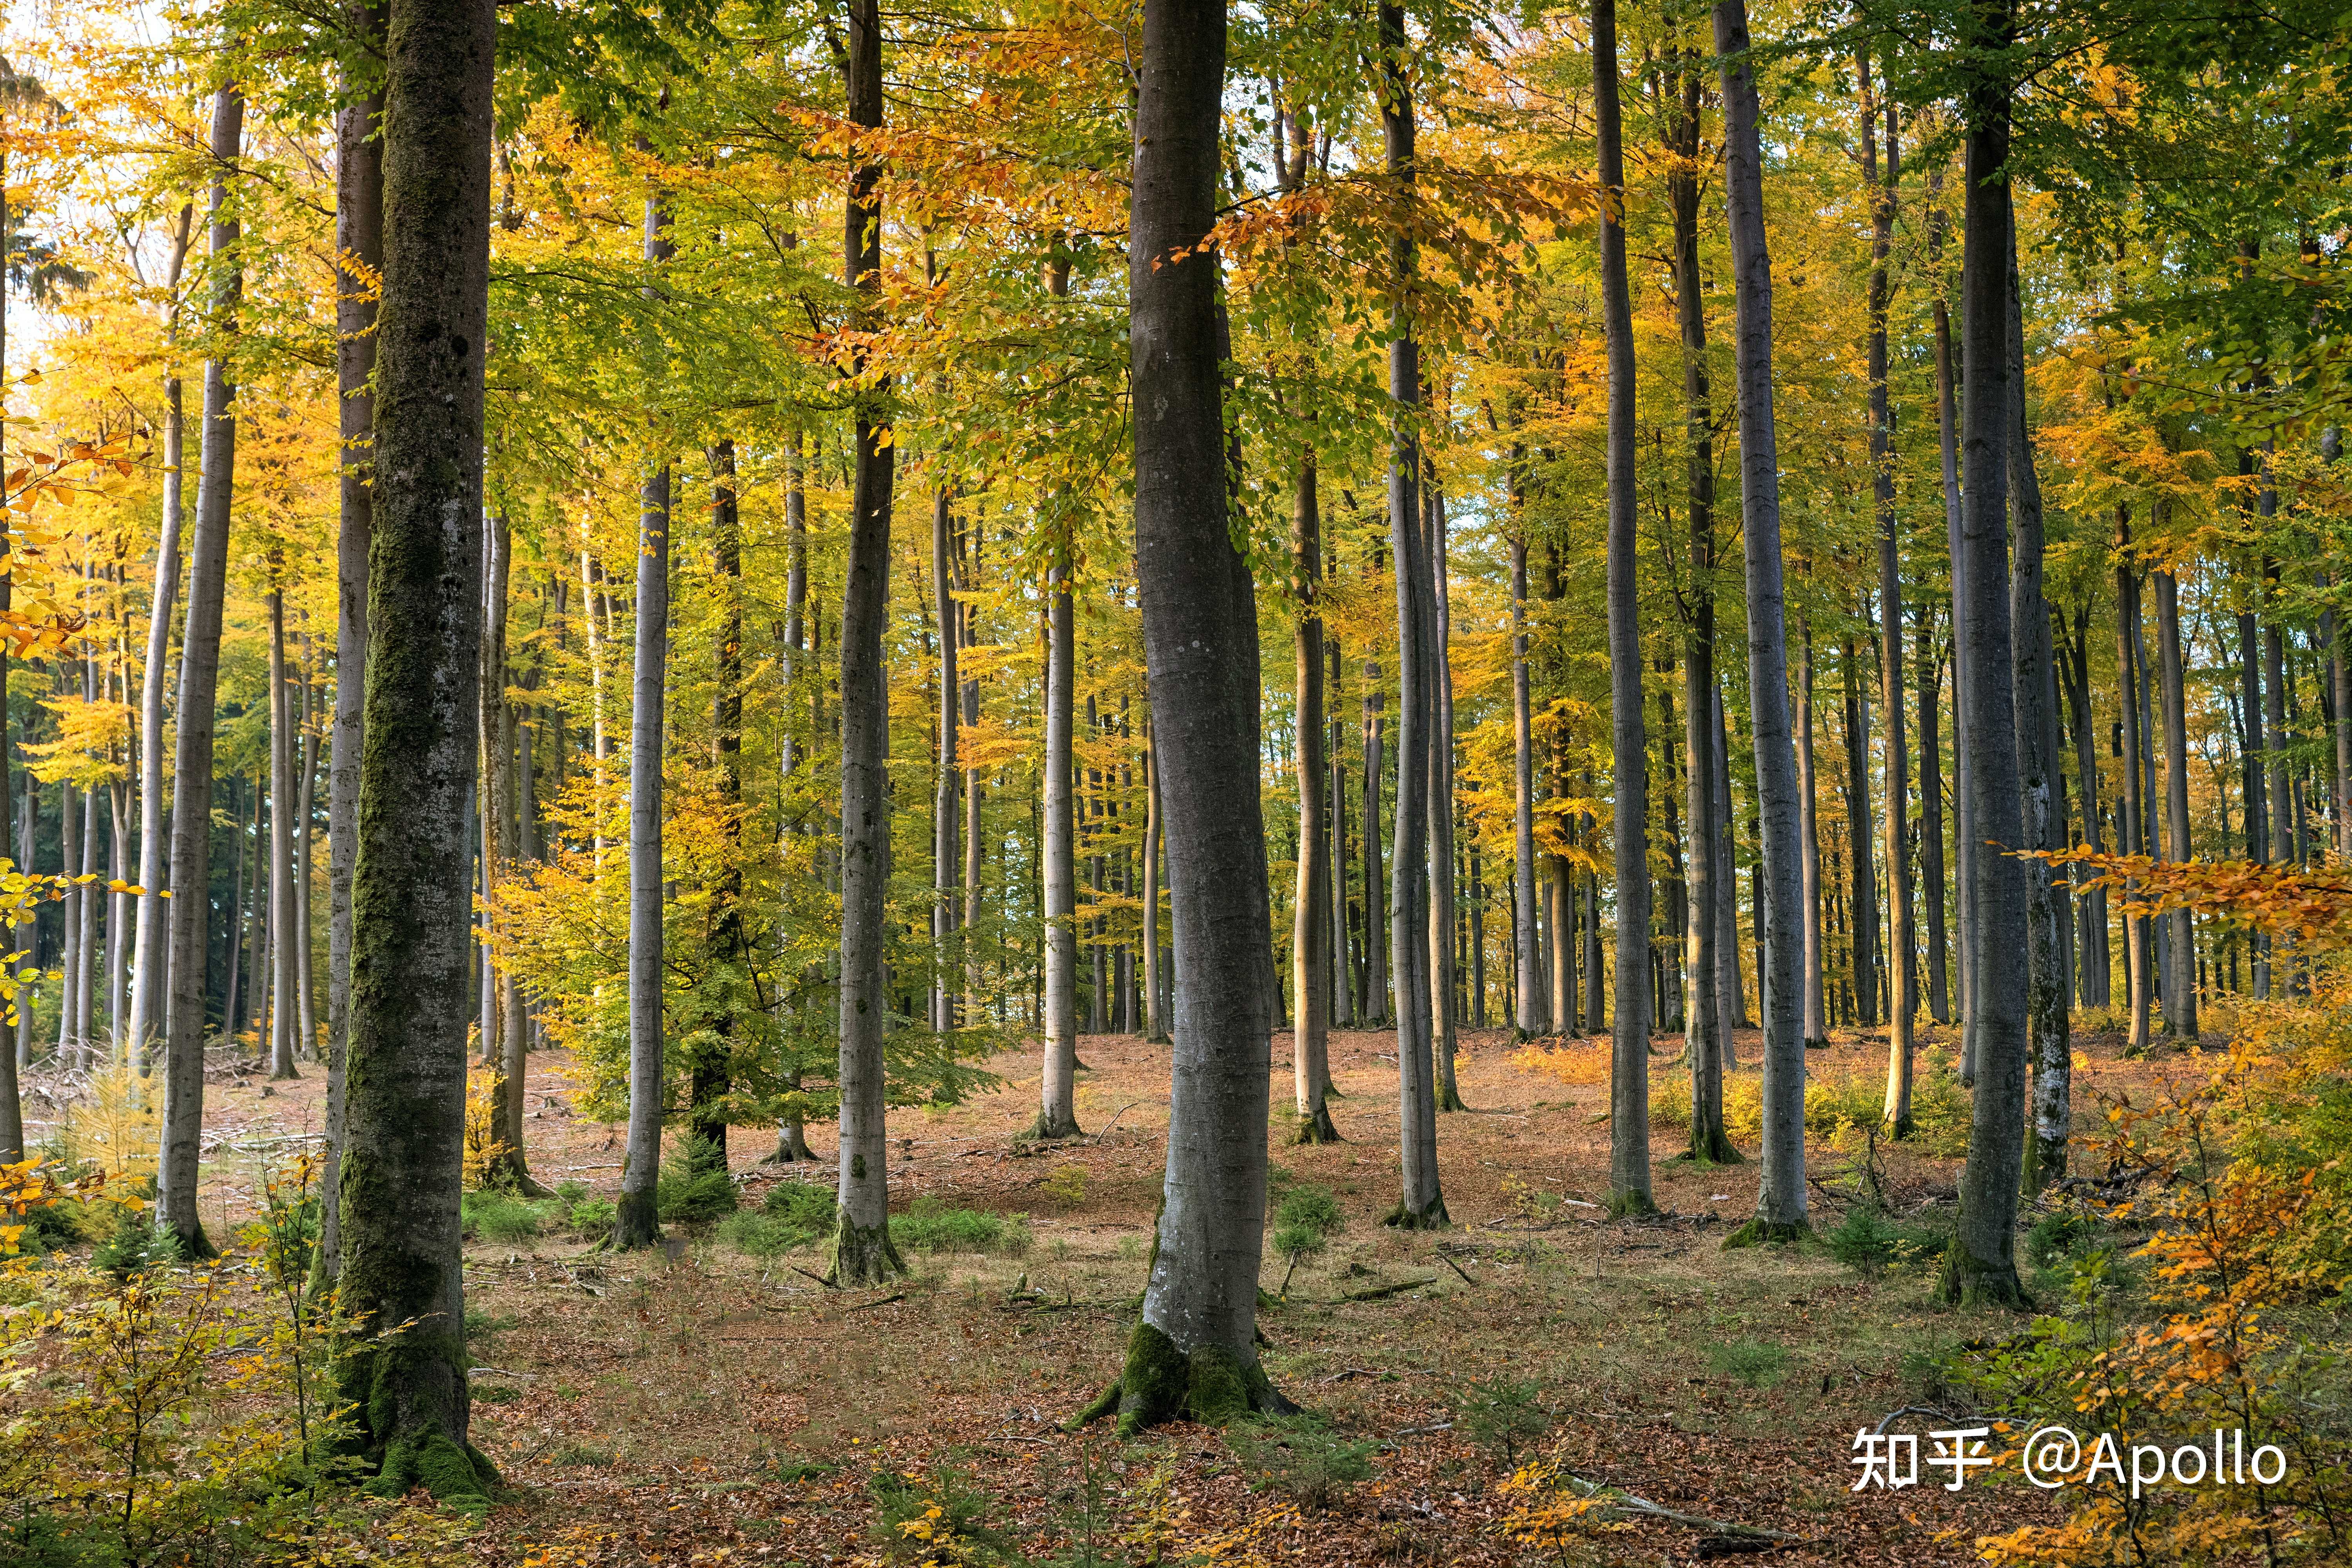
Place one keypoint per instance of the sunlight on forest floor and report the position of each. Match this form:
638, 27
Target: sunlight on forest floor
714, 1406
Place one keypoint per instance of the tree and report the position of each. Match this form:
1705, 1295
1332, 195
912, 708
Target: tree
1780, 1195
1311, 942
192, 762
1629, 1076
402, 1281
1058, 1087
862, 1249
1194, 1354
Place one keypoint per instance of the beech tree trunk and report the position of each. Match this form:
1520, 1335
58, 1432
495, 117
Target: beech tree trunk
863, 1252
1781, 1201
1982, 1262
1533, 998
2133, 799
405, 1065
1931, 817
947, 854
2180, 985
1863, 967
1422, 1205
1373, 1009
710, 1065
1194, 1353
1057, 1110
282, 937
1442, 966
192, 762
638, 1220
1628, 1078
1310, 932
1809, 831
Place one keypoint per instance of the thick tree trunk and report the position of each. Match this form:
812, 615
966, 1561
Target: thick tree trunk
1781, 1207
192, 762
1194, 1353
1422, 1203
1982, 1263
1628, 1078
637, 1222
406, 1062
862, 1249
2042, 814
1057, 1108
1310, 939
2180, 985
282, 935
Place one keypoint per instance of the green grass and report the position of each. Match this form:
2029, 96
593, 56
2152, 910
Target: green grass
502, 1216
1752, 1363
930, 1226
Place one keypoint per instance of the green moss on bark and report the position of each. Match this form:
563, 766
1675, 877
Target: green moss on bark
1968, 1280
1433, 1217
1317, 1128
864, 1255
1161, 1384
1760, 1232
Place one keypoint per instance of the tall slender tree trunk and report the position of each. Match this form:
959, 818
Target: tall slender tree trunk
1628, 1078
192, 763
1534, 1001
791, 1132
406, 1089
2180, 985
1374, 1008
1982, 1263
2133, 800
1194, 1353
1780, 1206
947, 853
2042, 811
1966, 837
305, 806
1863, 893
1422, 1203
1057, 1110
1902, 989
637, 1219
1442, 977
711, 1066
1931, 817
1310, 939
1343, 991
70, 1040
282, 1011
1809, 833
862, 1250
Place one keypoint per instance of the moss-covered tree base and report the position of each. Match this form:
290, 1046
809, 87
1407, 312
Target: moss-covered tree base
792, 1145
1317, 1128
864, 1255
1711, 1146
1970, 1281
636, 1222
1047, 1130
1632, 1202
406, 1395
1761, 1232
1449, 1097
1432, 1216
1161, 1384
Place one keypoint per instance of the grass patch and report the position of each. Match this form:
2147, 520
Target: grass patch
930, 1226
491, 1215
1751, 1364
1300, 1457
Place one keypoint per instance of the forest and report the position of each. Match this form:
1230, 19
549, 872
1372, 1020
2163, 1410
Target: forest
1301, 782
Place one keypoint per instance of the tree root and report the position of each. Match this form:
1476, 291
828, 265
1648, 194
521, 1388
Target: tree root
1317, 1128
1161, 1384
1761, 1232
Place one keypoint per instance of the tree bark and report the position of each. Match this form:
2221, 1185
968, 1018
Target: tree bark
1057, 1112
1863, 967
282, 936
1809, 833
1373, 1009
1441, 975
1194, 1353
1310, 938
1931, 817
1534, 1001
1982, 1264
2180, 985
1422, 1203
863, 1252
1781, 1205
947, 853
405, 1068
192, 762
2133, 800
1629, 1076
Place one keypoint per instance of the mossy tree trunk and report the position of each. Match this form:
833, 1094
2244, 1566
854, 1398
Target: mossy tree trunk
192, 761
405, 1065
862, 1248
1194, 1353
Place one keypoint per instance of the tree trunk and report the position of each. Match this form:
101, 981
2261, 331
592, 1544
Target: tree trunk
282, 1012
2134, 802
1780, 1206
405, 1090
1931, 817
1628, 1078
1982, 1263
1374, 1008
2180, 985
1057, 1108
1816, 1018
1862, 968
1422, 1205
862, 1250
1156, 1019
947, 854
69, 1049
1902, 991
1194, 1353
1534, 1001
192, 763
1310, 934
1441, 975
1343, 991
306, 790
791, 1132
710, 1066
2042, 817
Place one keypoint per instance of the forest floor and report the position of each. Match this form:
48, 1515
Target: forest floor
701, 1405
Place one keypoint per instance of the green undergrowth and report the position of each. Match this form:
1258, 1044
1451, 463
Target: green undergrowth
799, 1216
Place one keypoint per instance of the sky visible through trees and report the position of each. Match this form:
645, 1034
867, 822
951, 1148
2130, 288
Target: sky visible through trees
633, 635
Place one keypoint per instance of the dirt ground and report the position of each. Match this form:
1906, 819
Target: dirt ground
653, 1403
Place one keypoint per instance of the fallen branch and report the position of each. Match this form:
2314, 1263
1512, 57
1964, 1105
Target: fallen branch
1634, 1505
1447, 1259
1892, 1416
1423, 1431
878, 1301
1378, 1291
820, 1279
